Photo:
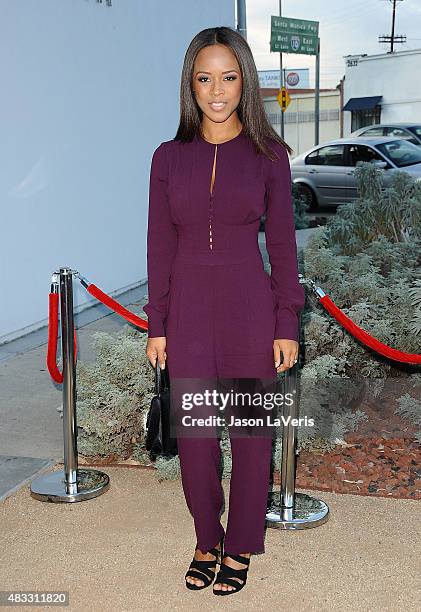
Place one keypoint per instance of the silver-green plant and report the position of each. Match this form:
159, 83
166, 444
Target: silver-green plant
367, 258
409, 407
113, 393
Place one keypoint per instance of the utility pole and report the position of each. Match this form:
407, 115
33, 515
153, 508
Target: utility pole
241, 18
281, 77
392, 38
317, 97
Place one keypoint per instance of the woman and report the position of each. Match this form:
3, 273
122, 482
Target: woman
213, 311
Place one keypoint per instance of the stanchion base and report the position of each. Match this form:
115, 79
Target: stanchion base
307, 512
52, 487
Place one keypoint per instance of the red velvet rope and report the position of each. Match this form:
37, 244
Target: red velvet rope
327, 303
55, 373
118, 308
368, 340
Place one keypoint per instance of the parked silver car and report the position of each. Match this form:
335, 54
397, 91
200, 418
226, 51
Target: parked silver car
325, 173
406, 131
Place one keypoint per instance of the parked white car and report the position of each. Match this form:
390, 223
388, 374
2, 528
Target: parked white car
406, 131
325, 173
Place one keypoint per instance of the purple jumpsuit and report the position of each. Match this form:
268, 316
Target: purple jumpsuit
219, 310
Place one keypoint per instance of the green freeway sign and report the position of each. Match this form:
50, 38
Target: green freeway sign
294, 35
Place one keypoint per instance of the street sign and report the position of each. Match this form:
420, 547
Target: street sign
294, 35
295, 26
283, 99
299, 36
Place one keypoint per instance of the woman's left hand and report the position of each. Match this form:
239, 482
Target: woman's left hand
289, 350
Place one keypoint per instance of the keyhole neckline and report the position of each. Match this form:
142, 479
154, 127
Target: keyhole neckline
220, 144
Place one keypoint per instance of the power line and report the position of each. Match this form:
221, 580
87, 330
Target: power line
341, 15
354, 15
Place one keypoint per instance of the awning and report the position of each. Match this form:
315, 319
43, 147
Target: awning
367, 103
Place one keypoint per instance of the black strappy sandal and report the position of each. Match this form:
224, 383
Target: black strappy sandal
205, 572
227, 573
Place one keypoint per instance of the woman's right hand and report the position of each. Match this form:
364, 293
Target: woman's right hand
155, 348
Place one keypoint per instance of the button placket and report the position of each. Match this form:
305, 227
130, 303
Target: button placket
211, 197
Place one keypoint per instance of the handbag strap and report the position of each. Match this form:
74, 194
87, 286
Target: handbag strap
157, 378
161, 380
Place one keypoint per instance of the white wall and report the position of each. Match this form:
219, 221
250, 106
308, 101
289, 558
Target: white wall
300, 135
393, 76
88, 92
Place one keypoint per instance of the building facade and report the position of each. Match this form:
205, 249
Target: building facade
381, 88
299, 124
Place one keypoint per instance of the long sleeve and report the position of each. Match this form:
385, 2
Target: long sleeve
281, 245
161, 244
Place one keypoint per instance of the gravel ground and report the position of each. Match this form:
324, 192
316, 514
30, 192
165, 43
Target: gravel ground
129, 549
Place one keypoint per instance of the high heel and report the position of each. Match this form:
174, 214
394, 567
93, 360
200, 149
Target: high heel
227, 573
203, 569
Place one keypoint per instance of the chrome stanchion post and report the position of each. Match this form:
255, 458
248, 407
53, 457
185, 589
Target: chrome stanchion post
71, 484
287, 509
289, 440
69, 379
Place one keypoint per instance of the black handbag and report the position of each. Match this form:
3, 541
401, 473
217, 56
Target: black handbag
158, 440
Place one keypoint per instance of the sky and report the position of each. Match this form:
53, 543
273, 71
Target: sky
346, 27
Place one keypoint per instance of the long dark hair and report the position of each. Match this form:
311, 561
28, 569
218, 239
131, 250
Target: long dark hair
250, 109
